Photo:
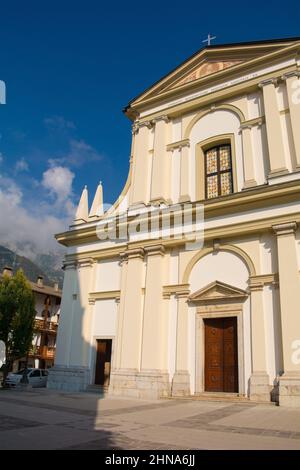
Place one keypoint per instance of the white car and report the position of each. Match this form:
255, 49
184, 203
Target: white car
36, 377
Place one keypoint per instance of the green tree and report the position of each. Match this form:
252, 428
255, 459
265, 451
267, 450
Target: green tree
17, 315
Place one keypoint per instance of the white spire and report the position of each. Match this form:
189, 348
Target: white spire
97, 206
83, 208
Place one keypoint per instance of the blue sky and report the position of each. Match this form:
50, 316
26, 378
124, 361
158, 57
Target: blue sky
70, 67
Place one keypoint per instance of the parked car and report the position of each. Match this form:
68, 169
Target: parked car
36, 377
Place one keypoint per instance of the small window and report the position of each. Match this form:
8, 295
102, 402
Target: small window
218, 172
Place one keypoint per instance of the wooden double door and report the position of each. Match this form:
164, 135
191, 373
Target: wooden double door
221, 355
103, 362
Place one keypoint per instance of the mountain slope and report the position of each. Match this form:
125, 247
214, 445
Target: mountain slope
31, 270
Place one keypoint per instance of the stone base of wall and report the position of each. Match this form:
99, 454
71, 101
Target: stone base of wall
260, 388
289, 390
73, 379
147, 384
181, 384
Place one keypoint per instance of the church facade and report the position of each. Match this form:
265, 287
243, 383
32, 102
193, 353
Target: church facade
150, 315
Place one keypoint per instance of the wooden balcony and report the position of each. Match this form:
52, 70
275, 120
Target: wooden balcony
41, 325
44, 352
48, 352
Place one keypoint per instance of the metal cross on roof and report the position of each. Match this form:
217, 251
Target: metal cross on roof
209, 39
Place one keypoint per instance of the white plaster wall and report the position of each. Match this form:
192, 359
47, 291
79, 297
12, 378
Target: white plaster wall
260, 156
174, 268
107, 276
216, 123
254, 105
175, 180
224, 267
104, 318
176, 130
282, 98
268, 254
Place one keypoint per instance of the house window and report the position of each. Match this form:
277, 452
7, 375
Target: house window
218, 171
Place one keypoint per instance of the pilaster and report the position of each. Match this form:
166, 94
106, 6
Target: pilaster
160, 181
185, 190
249, 169
140, 163
260, 389
181, 378
293, 92
289, 283
274, 130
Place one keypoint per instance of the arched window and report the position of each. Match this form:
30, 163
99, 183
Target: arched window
218, 171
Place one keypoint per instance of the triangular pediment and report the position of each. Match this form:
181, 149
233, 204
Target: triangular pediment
218, 291
210, 63
208, 67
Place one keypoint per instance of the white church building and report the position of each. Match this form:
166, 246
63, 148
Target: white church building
149, 314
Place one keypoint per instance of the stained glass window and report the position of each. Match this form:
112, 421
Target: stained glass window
218, 169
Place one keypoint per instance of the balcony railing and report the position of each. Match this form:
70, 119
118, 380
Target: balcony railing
42, 325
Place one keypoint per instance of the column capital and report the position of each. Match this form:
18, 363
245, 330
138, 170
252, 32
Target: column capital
246, 126
72, 264
255, 285
285, 229
136, 126
292, 74
92, 301
163, 117
184, 294
123, 258
154, 250
269, 81
85, 263
148, 124
137, 253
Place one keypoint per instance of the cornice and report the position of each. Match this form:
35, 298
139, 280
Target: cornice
260, 281
155, 250
176, 289
179, 145
259, 121
113, 294
259, 197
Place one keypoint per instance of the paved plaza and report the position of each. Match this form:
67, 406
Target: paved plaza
46, 419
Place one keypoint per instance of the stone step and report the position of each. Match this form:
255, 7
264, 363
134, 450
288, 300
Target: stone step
99, 389
222, 397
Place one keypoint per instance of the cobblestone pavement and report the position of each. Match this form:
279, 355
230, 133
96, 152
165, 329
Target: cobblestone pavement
44, 419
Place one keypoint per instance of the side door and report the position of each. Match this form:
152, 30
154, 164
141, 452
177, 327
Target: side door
35, 378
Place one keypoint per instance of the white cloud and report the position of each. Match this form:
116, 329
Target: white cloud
79, 154
58, 181
58, 123
21, 165
30, 231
